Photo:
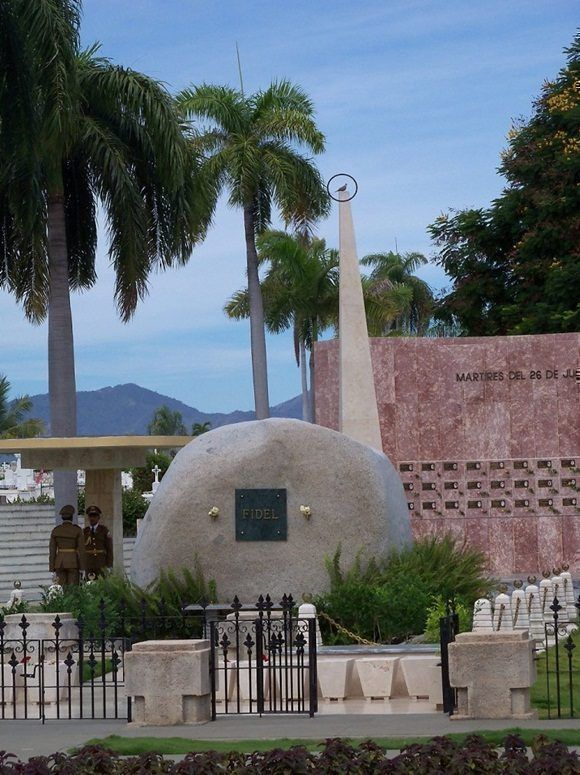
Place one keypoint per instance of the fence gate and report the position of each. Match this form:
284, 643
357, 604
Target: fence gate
558, 661
263, 660
448, 629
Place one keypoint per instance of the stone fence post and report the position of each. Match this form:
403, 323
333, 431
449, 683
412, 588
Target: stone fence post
493, 673
169, 682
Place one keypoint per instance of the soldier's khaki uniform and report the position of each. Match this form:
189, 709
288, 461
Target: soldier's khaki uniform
67, 553
98, 549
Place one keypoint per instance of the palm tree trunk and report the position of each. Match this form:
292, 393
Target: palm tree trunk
312, 386
304, 379
61, 368
257, 330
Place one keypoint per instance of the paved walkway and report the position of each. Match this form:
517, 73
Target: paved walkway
32, 738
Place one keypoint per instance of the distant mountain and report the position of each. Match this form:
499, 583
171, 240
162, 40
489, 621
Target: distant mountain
128, 410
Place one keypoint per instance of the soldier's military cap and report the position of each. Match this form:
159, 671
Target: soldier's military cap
67, 511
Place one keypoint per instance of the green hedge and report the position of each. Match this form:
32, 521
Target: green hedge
388, 599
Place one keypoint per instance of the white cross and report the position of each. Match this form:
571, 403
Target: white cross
156, 471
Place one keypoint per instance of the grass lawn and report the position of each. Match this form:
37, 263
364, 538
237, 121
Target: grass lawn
131, 746
546, 703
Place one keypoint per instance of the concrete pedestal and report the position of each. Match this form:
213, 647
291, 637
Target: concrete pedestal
493, 673
40, 628
169, 682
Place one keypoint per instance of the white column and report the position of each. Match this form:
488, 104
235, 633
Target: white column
358, 412
103, 489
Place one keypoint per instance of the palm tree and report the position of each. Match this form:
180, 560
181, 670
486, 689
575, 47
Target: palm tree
392, 276
166, 423
300, 291
13, 424
249, 147
100, 133
198, 428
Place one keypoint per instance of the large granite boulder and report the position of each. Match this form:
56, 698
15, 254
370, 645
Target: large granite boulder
355, 496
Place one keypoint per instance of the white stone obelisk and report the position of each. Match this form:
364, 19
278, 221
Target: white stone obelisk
358, 411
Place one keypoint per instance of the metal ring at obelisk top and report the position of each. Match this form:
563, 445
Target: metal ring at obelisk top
342, 175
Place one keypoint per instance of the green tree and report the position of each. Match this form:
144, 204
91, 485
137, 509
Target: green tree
515, 267
300, 291
143, 477
76, 132
392, 274
198, 428
13, 421
251, 148
166, 423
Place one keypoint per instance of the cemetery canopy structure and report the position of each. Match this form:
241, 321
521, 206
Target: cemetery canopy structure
102, 458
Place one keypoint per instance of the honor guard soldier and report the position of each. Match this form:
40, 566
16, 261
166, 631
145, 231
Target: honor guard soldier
98, 544
67, 549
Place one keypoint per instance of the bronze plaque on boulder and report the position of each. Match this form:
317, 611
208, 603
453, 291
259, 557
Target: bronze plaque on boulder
261, 515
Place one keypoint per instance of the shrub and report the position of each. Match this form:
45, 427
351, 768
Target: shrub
92, 603
118, 604
388, 599
439, 755
437, 610
184, 587
448, 569
134, 508
377, 612
23, 607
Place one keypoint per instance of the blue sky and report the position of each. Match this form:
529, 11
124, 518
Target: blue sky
415, 98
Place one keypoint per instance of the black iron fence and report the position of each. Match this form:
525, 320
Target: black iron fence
559, 663
448, 629
263, 660
76, 670
60, 677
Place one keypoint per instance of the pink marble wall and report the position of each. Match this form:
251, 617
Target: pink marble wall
494, 459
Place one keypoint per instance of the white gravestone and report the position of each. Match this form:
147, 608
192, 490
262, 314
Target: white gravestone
535, 612
482, 615
559, 591
571, 609
503, 613
547, 598
520, 618
155, 471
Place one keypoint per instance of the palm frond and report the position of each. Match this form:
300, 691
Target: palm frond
81, 223
223, 106
238, 306
281, 94
297, 185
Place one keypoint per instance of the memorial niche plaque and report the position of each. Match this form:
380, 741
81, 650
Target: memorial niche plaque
261, 515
